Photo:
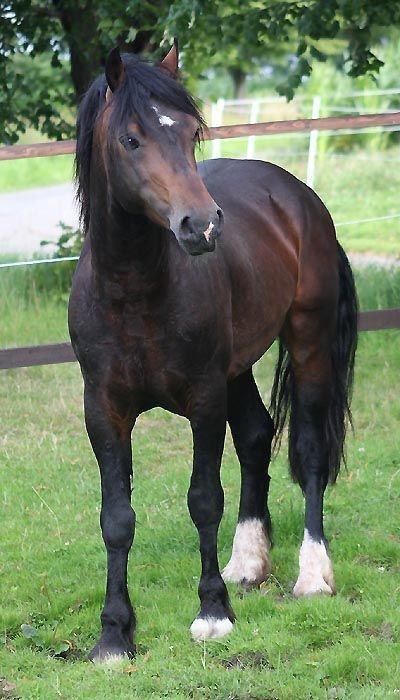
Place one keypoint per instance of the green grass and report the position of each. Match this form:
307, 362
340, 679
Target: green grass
52, 566
53, 563
35, 172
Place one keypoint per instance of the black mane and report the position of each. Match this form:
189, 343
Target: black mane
143, 82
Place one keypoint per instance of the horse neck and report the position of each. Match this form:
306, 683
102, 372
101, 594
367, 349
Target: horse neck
126, 247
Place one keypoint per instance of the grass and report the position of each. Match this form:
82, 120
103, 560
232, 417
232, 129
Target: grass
52, 558
52, 568
35, 172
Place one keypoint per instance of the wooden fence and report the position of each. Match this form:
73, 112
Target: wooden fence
62, 352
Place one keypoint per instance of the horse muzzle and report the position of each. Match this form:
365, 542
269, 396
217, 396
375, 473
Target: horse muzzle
198, 234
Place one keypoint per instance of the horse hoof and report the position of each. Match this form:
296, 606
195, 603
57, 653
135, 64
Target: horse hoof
210, 628
306, 587
316, 573
111, 656
110, 660
249, 575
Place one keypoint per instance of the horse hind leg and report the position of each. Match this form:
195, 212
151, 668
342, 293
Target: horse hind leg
252, 433
314, 376
314, 436
309, 462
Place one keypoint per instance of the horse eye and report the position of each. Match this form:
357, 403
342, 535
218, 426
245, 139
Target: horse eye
129, 142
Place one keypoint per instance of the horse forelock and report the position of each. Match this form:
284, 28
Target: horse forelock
143, 84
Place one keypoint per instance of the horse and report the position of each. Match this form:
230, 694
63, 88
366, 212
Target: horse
188, 274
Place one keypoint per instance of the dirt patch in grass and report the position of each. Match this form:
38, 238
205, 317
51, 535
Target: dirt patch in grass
7, 689
384, 632
249, 659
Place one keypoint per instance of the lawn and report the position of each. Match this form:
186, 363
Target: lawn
24, 173
52, 559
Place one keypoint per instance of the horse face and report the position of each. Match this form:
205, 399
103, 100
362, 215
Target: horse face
152, 170
156, 173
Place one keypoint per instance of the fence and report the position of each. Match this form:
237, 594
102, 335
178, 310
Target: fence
62, 352
313, 106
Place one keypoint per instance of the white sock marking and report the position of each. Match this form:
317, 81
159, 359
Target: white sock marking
316, 573
164, 119
249, 562
210, 628
111, 661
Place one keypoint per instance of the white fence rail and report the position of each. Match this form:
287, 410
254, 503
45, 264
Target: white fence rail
308, 107
224, 112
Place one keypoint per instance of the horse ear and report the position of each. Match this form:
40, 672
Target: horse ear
171, 60
114, 69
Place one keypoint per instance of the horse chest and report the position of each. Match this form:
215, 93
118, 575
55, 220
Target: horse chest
157, 361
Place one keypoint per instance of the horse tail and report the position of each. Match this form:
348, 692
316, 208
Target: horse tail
342, 363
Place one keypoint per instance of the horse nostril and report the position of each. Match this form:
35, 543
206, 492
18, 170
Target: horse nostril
186, 226
220, 215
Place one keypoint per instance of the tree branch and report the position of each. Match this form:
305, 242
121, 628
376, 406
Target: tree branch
44, 11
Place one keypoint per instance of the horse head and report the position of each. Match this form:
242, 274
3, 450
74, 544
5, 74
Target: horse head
149, 130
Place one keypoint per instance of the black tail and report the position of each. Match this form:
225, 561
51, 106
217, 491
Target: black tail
343, 353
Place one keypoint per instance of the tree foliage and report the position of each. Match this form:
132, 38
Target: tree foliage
51, 49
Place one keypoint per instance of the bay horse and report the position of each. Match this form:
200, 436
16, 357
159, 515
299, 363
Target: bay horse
187, 276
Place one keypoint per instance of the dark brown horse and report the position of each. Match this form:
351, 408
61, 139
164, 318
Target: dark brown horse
154, 322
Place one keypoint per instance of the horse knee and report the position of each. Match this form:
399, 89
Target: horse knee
205, 505
118, 526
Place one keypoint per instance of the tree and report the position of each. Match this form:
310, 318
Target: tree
50, 51
241, 35
69, 39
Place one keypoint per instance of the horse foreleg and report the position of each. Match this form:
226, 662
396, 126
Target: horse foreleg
206, 502
109, 433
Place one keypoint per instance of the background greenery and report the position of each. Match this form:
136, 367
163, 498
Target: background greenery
50, 51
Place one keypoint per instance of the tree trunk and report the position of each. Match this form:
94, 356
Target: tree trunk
239, 79
86, 51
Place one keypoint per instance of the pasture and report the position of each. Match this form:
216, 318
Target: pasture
52, 566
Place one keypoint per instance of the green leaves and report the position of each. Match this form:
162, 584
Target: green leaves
45, 638
68, 46
29, 632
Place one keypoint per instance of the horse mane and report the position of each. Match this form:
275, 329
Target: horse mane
142, 83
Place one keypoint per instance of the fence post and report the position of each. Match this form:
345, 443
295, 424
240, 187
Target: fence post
312, 149
217, 113
251, 141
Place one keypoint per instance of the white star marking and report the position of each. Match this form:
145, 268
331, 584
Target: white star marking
164, 119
